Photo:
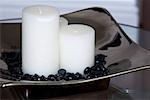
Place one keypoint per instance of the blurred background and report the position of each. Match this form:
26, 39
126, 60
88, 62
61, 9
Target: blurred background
131, 12
124, 11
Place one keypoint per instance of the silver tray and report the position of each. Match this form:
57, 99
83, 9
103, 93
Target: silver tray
123, 55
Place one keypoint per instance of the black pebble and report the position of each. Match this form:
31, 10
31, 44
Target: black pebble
51, 77
99, 67
98, 74
87, 70
106, 72
35, 77
27, 77
69, 76
58, 77
100, 57
78, 76
62, 72
13, 60
100, 62
93, 68
43, 78
89, 76
12, 56
16, 70
97, 61
103, 68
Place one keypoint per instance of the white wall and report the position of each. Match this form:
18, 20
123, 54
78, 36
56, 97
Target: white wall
124, 11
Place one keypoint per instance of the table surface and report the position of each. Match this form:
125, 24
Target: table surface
136, 84
133, 86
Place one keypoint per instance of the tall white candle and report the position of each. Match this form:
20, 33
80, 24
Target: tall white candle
77, 47
40, 26
63, 22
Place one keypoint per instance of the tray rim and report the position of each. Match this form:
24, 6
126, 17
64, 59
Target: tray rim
8, 83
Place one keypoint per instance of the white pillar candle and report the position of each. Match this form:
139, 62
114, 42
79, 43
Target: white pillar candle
63, 22
77, 47
40, 26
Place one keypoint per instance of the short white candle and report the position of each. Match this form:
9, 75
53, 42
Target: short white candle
40, 50
77, 47
63, 22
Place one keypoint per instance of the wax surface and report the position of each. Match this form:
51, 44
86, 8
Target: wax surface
77, 47
40, 50
63, 22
